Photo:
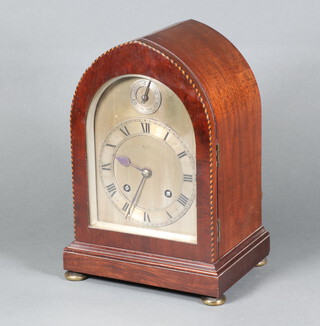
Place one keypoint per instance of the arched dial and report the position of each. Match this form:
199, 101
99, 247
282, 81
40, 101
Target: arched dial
148, 172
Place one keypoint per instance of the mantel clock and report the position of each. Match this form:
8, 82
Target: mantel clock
166, 160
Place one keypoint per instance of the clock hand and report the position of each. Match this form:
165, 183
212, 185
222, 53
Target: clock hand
145, 97
146, 173
125, 161
137, 194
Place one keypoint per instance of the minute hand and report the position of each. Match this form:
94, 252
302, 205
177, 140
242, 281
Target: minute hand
137, 194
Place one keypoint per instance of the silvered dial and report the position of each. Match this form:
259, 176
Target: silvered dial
145, 96
148, 172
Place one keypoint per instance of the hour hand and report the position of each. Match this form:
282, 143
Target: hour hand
125, 161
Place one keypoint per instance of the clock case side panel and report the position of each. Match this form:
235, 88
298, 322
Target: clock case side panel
233, 96
149, 61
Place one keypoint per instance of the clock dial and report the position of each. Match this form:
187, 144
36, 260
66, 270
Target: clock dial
147, 188
141, 160
145, 96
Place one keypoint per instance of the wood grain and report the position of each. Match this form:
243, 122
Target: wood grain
167, 272
218, 88
234, 101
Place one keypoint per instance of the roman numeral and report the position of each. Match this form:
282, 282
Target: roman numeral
166, 136
106, 167
112, 189
125, 207
146, 217
187, 178
169, 214
183, 199
182, 154
145, 127
125, 131
110, 145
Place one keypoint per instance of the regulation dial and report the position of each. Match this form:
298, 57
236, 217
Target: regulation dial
145, 96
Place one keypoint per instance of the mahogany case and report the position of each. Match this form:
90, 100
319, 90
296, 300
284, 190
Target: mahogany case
219, 90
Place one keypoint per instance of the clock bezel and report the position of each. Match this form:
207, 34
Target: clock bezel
150, 62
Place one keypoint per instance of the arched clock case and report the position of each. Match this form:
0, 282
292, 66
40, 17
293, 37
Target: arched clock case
166, 161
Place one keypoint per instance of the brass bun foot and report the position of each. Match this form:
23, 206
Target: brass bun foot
73, 276
210, 301
262, 262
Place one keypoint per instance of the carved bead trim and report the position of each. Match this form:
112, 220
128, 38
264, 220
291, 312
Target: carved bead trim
194, 86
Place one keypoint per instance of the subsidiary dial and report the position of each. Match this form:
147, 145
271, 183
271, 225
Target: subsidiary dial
145, 96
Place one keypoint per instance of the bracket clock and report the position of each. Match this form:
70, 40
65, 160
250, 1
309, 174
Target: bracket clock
166, 160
